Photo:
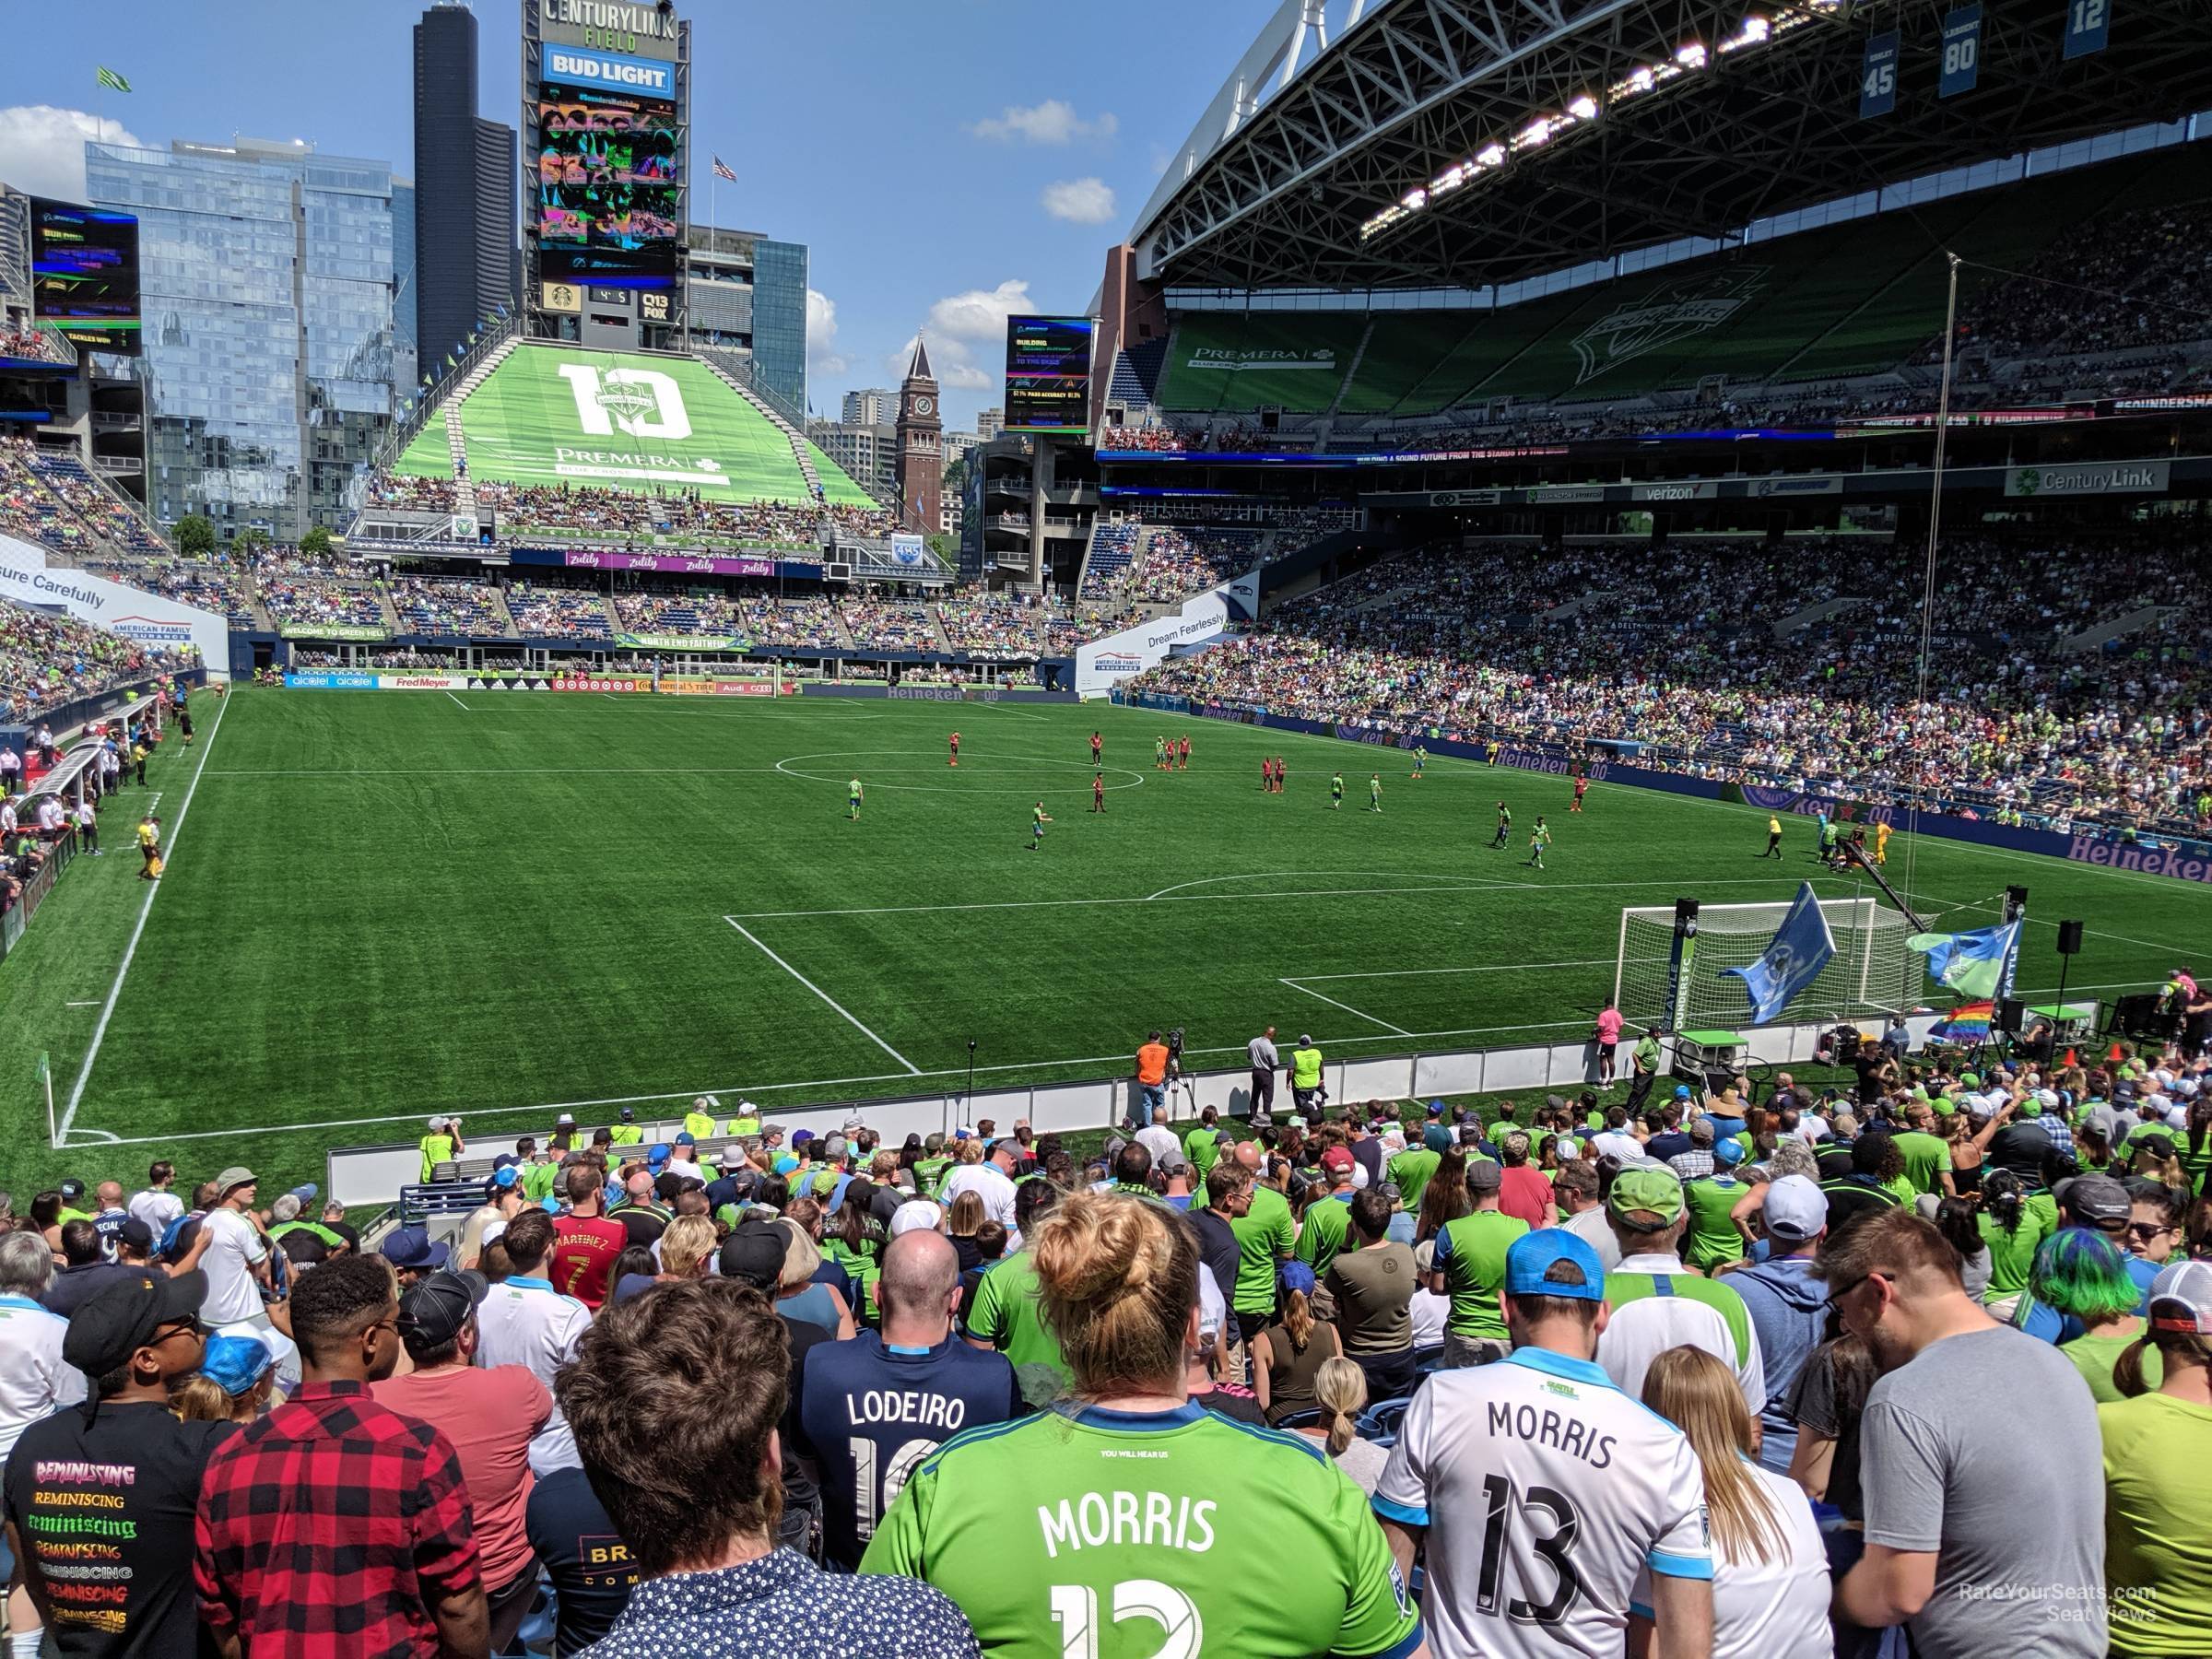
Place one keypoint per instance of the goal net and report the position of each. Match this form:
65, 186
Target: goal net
1872, 972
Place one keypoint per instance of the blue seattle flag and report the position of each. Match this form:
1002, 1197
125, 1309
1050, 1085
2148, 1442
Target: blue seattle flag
1793, 959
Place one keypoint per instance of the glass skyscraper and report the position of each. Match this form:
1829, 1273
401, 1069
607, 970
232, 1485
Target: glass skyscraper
748, 295
268, 292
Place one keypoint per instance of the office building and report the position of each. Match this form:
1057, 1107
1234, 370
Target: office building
989, 423
866, 454
746, 294
878, 405
467, 263
406, 337
268, 283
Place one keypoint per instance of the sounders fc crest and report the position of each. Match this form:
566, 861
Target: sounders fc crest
1662, 315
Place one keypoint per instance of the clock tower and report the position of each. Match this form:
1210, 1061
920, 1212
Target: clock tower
920, 435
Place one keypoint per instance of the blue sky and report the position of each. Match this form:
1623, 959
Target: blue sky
913, 146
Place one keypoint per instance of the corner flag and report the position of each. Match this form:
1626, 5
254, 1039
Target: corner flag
1791, 961
112, 81
1971, 962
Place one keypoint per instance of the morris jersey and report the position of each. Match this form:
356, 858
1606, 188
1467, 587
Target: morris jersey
869, 1412
1109, 1534
1545, 1490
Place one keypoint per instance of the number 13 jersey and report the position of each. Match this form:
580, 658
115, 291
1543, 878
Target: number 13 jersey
1543, 1489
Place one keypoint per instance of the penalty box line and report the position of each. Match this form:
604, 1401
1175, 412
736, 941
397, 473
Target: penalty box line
1303, 983
850, 1017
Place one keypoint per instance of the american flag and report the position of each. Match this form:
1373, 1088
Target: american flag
722, 171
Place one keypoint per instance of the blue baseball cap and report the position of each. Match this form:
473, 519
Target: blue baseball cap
505, 1176
1728, 1153
1297, 1277
656, 1156
411, 1247
1681, 1091
683, 1138
235, 1363
1554, 1262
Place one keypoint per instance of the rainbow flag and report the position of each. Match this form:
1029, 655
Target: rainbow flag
1967, 1024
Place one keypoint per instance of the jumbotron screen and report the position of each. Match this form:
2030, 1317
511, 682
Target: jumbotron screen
611, 206
1048, 374
84, 267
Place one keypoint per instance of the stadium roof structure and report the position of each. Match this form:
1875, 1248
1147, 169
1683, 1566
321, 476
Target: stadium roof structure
1462, 143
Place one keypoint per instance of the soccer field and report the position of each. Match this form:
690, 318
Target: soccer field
385, 905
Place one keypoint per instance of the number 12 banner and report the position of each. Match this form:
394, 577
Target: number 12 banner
2088, 22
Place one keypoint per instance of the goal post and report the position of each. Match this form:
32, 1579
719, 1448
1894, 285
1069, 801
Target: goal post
1873, 971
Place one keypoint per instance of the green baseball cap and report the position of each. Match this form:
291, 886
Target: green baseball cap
1945, 1106
1652, 1187
1968, 1080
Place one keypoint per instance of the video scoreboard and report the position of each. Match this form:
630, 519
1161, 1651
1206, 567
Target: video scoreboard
1048, 374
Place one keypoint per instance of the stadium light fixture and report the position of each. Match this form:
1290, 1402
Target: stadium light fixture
1691, 58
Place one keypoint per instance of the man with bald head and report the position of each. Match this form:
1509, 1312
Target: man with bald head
871, 1409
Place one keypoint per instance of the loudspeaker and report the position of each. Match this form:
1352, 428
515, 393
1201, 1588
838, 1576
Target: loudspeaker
2011, 1013
2070, 938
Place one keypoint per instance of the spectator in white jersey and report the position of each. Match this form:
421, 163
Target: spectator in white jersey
1770, 1565
1516, 1471
1955, 1503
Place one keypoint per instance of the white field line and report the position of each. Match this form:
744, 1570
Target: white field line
1348, 1007
1307, 979
462, 704
850, 1018
1451, 876
107, 1012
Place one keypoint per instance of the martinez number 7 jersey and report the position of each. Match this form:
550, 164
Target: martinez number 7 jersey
1108, 1534
1545, 1489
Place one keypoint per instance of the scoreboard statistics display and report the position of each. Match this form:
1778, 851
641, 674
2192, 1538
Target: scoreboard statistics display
610, 209
83, 267
1048, 374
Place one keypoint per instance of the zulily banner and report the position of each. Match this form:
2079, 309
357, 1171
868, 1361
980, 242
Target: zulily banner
678, 564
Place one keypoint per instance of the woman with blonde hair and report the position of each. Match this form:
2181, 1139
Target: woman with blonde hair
1341, 1387
1031, 1526
1287, 1356
232, 1385
687, 1244
1770, 1565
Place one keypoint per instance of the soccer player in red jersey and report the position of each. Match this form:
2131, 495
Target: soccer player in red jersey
1266, 775
1186, 765
1098, 791
956, 750
1095, 746
1582, 788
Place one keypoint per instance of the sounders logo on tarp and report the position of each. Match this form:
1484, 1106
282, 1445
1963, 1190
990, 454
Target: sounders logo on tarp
1234, 359
1672, 311
643, 402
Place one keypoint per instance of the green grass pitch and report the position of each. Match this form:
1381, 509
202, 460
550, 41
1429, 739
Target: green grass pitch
384, 905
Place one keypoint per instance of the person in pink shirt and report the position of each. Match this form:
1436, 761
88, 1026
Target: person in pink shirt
1525, 1191
490, 1415
1608, 1040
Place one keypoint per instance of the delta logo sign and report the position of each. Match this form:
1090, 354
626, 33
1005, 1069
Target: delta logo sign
1664, 316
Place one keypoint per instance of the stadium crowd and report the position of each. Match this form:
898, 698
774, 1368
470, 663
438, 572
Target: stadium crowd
306, 590
888, 625
48, 659
668, 1399
464, 609
991, 624
1676, 654
575, 512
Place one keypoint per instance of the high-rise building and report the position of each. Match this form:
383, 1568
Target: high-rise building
746, 294
868, 454
877, 405
465, 176
267, 284
921, 445
407, 337
989, 423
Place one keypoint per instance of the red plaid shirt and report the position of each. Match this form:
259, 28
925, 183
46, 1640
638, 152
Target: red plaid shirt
329, 1527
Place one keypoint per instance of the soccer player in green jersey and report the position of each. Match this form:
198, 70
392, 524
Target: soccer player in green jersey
1505, 824
852, 800
1420, 759
1539, 839
1039, 818
1374, 792
1137, 1522
1336, 792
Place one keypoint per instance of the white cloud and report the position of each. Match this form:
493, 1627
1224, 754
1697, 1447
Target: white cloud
1053, 122
42, 148
950, 360
1079, 201
980, 313
821, 334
